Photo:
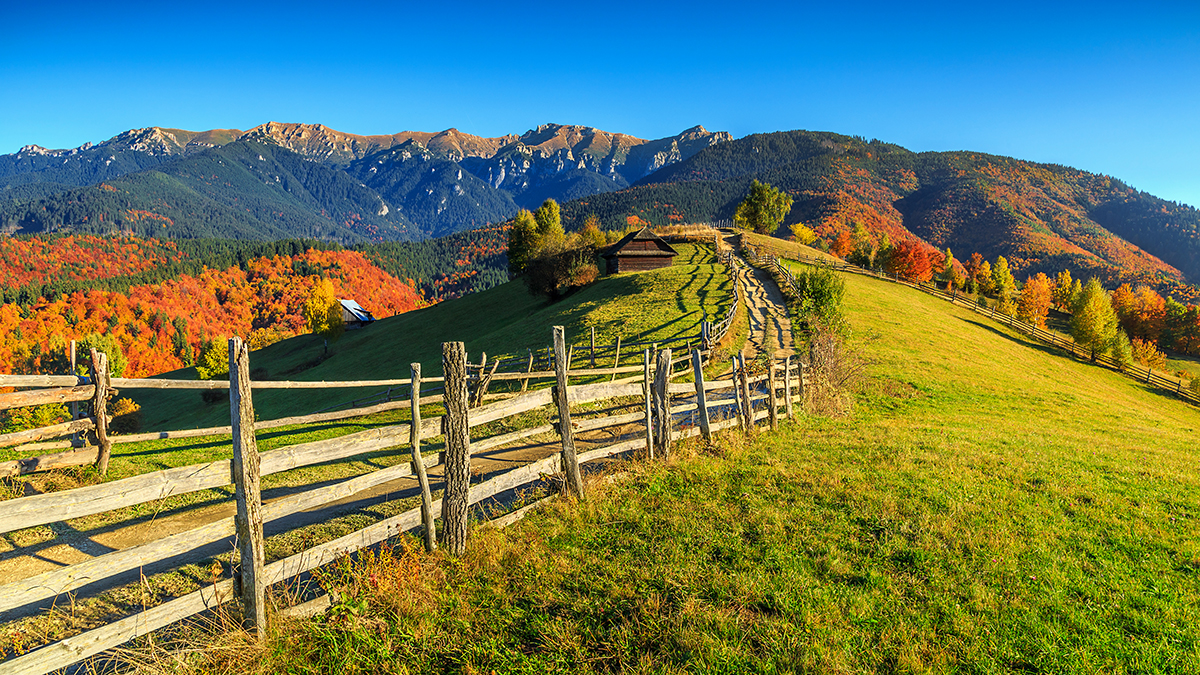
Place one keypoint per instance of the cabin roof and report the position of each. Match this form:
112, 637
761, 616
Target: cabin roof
356, 310
644, 234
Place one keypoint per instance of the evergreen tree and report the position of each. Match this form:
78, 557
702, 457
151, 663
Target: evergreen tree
523, 242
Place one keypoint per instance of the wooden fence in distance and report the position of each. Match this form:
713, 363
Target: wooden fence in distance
1140, 373
663, 411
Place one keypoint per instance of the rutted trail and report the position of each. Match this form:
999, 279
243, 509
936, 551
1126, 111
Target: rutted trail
770, 326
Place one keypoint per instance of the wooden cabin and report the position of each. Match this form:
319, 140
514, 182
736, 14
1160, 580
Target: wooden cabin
353, 314
639, 251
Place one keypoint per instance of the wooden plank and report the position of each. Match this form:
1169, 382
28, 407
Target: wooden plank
247, 491
159, 383
40, 381
608, 421
561, 361
701, 401
662, 416
744, 383
66, 579
586, 393
511, 437
100, 377
59, 460
525, 380
513, 406
77, 648
21, 399
415, 447
52, 431
456, 497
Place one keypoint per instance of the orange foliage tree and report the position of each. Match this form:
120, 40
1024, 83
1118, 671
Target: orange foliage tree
1036, 298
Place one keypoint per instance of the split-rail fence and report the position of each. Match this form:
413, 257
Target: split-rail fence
1140, 373
663, 412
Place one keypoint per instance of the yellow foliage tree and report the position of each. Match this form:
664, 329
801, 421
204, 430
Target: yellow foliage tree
1036, 297
323, 312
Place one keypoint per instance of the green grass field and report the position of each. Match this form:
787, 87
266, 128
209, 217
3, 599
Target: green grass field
506, 320
988, 506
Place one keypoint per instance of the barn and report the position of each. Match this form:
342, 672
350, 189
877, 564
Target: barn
639, 251
353, 314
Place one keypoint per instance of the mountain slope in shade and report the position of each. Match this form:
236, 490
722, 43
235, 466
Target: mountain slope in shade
1042, 217
128, 152
242, 190
427, 188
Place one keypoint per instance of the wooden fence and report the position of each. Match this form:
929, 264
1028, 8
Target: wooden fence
663, 412
1137, 372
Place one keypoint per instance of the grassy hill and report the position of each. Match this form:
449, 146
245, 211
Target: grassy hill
504, 320
988, 506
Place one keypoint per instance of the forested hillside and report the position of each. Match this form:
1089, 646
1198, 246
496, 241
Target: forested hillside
1043, 218
162, 300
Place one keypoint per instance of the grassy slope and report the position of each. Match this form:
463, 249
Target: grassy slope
504, 320
990, 506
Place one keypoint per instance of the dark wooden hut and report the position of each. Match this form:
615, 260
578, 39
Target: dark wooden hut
639, 251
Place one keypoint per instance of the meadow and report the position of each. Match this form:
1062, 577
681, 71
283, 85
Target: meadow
987, 506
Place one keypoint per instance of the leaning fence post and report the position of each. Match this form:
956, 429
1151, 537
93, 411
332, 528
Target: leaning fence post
662, 406
787, 387
744, 381
100, 409
414, 437
648, 392
525, 380
593, 362
562, 400
701, 399
771, 399
74, 405
247, 490
737, 392
616, 360
456, 497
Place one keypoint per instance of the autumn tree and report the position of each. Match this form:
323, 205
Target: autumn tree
523, 242
842, 245
950, 275
1063, 285
1093, 321
911, 261
983, 279
763, 209
102, 343
214, 359
1002, 278
1141, 311
323, 312
972, 269
1035, 300
549, 224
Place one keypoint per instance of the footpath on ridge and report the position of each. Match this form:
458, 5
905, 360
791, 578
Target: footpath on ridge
766, 309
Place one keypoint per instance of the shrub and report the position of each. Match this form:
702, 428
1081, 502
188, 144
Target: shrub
126, 417
820, 296
1146, 353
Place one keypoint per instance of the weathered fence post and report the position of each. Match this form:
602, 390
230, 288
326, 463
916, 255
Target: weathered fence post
562, 400
593, 362
662, 404
787, 387
419, 464
247, 490
74, 405
648, 391
771, 399
100, 409
456, 497
744, 383
737, 392
616, 360
701, 398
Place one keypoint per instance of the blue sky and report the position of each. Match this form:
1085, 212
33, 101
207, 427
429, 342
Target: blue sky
1104, 87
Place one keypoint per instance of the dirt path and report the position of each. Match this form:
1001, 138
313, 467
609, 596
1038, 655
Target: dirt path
70, 546
770, 327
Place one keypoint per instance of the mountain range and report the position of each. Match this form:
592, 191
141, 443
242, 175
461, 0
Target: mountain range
305, 180
298, 180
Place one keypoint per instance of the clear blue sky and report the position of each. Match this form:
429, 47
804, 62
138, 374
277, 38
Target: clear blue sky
1106, 87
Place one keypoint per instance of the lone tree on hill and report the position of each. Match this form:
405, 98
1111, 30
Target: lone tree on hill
323, 312
763, 209
1094, 322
